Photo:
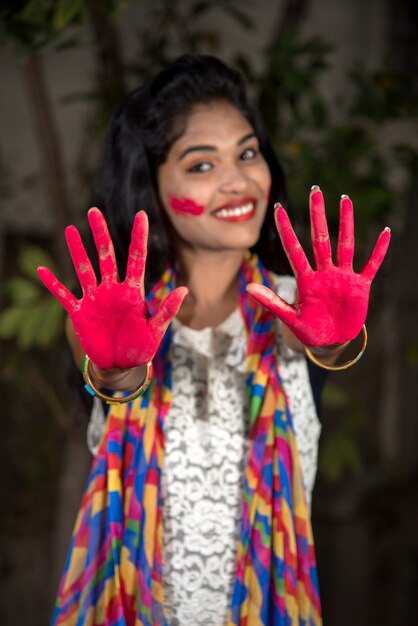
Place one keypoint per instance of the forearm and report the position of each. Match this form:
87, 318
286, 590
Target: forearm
115, 379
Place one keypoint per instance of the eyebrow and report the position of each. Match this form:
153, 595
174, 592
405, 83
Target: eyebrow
208, 148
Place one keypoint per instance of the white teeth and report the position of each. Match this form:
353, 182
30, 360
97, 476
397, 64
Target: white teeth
236, 211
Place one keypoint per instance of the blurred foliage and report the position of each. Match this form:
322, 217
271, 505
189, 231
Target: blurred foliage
39, 24
33, 317
175, 27
383, 95
335, 141
340, 453
32, 438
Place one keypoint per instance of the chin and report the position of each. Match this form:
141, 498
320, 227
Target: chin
245, 240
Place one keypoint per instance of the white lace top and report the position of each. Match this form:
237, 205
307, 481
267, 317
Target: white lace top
205, 454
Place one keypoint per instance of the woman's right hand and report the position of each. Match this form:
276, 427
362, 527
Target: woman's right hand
111, 320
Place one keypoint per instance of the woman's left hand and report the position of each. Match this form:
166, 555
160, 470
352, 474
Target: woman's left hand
332, 300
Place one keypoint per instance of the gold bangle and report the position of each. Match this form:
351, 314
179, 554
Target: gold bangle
93, 391
343, 366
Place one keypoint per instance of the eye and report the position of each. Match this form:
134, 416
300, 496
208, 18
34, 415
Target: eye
200, 168
249, 154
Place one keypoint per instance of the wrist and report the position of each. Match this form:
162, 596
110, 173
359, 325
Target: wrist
328, 350
327, 354
118, 379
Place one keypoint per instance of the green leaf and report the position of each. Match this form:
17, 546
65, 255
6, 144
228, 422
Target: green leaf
65, 12
338, 455
412, 355
335, 397
53, 323
31, 257
31, 324
10, 322
21, 290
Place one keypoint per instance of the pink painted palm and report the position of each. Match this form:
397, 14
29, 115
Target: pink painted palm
111, 320
332, 300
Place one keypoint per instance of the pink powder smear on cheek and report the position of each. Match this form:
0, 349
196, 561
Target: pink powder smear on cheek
185, 206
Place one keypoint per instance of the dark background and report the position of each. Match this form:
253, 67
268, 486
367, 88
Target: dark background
336, 82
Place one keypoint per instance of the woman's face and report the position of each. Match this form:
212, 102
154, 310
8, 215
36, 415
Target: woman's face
215, 182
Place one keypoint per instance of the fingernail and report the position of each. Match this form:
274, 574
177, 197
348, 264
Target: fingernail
343, 196
387, 229
315, 187
277, 206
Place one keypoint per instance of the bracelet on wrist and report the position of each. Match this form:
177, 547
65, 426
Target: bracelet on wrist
343, 366
94, 391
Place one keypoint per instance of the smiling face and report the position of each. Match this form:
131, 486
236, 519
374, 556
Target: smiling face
214, 184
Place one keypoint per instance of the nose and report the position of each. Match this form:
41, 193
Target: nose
233, 179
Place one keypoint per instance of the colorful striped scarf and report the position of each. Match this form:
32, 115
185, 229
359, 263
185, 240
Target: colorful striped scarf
114, 570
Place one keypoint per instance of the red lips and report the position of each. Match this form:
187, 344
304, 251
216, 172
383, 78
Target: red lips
236, 218
232, 204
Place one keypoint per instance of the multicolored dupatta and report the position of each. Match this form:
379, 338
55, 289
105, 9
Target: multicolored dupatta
114, 570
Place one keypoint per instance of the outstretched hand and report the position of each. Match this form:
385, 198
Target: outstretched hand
111, 320
332, 300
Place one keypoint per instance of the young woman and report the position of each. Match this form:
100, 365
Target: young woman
197, 506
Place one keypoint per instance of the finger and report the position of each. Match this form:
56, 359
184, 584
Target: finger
58, 290
138, 252
345, 248
104, 246
273, 303
372, 265
82, 265
294, 251
167, 310
321, 244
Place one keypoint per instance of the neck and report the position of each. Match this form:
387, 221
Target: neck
212, 277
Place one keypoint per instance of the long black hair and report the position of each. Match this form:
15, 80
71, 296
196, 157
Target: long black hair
139, 138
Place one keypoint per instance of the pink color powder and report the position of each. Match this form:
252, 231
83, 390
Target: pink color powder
186, 206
